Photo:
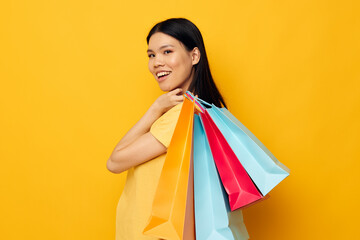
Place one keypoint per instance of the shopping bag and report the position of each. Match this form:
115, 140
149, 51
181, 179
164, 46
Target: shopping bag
262, 166
169, 205
212, 212
189, 224
239, 187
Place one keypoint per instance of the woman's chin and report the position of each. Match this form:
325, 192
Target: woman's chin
165, 88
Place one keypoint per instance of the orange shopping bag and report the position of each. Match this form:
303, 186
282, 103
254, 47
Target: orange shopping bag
174, 194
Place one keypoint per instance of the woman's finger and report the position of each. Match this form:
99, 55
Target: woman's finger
179, 98
176, 91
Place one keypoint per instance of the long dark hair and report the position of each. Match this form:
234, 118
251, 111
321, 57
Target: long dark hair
186, 32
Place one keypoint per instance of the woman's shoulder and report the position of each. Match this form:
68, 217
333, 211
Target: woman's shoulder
175, 108
163, 127
171, 113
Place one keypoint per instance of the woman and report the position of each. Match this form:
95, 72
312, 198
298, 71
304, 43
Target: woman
178, 62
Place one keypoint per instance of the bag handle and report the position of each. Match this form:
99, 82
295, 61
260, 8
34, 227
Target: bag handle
199, 102
198, 105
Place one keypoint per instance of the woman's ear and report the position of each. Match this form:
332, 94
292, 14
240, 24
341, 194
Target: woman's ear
195, 55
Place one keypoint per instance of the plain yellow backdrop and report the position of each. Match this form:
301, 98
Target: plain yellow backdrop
74, 79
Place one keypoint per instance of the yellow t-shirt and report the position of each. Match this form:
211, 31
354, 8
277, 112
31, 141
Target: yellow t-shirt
134, 207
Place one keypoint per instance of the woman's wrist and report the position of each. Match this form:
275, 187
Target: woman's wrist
156, 109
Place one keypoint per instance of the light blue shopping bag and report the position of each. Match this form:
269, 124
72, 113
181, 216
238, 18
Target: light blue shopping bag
213, 218
261, 165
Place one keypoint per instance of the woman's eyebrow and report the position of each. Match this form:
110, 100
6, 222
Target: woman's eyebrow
164, 46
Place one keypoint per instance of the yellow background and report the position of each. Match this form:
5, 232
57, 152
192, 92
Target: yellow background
74, 79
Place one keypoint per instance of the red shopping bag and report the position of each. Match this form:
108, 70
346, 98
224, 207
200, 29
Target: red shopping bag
240, 188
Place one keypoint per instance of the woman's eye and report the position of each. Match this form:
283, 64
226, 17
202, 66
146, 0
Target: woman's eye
150, 55
167, 51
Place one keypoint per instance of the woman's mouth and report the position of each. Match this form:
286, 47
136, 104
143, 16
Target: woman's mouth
161, 76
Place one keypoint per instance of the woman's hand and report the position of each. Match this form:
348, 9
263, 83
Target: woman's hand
168, 100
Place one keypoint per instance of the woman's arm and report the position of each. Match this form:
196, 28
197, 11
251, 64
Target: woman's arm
139, 145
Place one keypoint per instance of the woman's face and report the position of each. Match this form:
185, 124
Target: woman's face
170, 63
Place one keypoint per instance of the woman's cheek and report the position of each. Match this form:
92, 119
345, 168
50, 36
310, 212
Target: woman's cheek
150, 67
174, 62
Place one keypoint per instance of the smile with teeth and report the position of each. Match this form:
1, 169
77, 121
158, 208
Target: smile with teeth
161, 74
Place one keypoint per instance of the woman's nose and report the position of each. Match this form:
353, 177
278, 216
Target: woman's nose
159, 61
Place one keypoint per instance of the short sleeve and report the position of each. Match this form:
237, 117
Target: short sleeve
163, 128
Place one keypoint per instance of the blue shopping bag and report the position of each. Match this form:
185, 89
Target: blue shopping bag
213, 218
261, 165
